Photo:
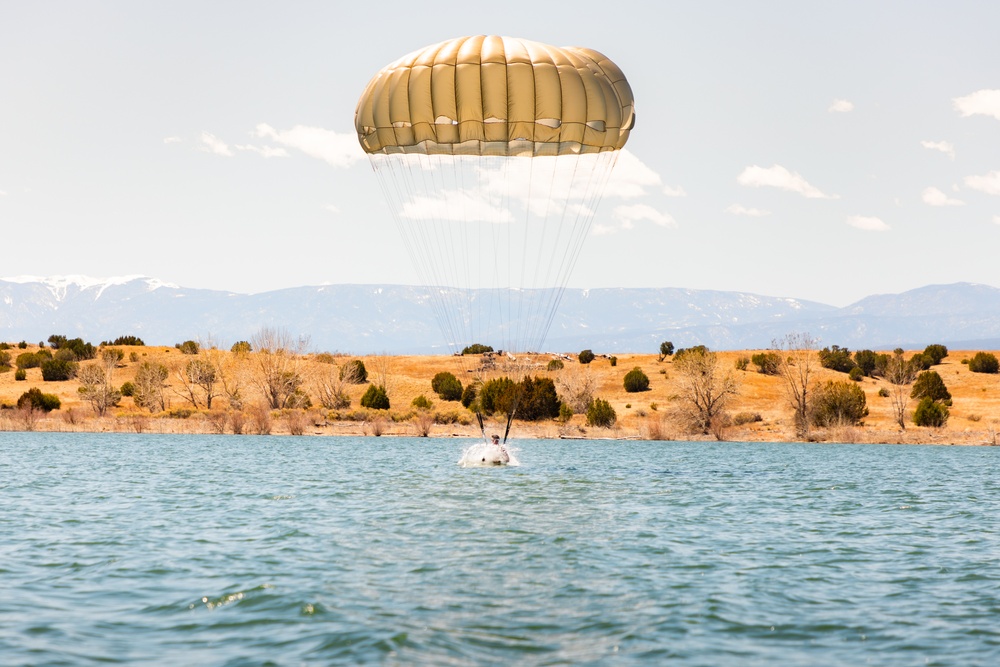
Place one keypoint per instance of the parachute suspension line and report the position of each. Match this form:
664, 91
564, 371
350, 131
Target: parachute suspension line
523, 293
602, 167
538, 314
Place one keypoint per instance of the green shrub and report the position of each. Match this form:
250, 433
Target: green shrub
375, 398
586, 356
930, 385
666, 349
921, 361
23, 345
697, 349
538, 399
188, 347
354, 371
742, 363
768, 363
29, 360
498, 395
469, 395
838, 403
635, 381
984, 362
4, 358
58, 370
565, 412
20, 375
555, 365
856, 374
447, 386
867, 361
836, 358
56, 341
241, 347
883, 393
126, 340
936, 352
600, 413
36, 399
477, 348
930, 413
421, 402
128, 389
613, 360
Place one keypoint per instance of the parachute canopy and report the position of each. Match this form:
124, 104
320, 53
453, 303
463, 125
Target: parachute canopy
493, 154
489, 95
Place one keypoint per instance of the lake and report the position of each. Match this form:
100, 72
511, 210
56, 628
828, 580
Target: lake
249, 550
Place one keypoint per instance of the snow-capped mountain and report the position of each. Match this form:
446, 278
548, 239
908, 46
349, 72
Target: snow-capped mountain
398, 318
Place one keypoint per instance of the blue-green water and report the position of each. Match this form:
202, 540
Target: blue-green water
173, 550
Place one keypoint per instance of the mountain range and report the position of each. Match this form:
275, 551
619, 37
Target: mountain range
398, 319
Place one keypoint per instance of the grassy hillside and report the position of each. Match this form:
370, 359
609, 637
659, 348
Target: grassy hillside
975, 412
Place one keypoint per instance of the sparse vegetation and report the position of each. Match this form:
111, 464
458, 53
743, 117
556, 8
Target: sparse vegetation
555, 365
447, 386
636, 381
601, 414
768, 363
838, 403
375, 398
984, 362
930, 413
586, 356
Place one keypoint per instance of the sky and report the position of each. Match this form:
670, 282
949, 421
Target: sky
822, 151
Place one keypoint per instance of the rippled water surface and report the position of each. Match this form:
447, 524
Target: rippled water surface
227, 550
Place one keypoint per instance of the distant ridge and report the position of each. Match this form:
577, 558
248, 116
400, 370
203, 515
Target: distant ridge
398, 319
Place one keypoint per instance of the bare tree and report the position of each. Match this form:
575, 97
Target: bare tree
796, 366
277, 358
704, 387
331, 381
577, 389
97, 389
150, 381
231, 373
900, 374
380, 372
198, 379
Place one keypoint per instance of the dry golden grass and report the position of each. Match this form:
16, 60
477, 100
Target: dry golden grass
975, 414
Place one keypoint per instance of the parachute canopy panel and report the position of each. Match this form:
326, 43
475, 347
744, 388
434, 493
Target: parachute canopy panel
501, 96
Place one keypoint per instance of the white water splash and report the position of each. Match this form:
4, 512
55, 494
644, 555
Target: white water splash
486, 454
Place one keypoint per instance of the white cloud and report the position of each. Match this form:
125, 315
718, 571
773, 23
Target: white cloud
988, 183
674, 192
841, 106
739, 209
996, 219
777, 176
945, 147
630, 177
627, 215
213, 144
985, 102
457, 205
265, 151
935, 197
3, 193
332, 208
867, 223
171, 140
339, 150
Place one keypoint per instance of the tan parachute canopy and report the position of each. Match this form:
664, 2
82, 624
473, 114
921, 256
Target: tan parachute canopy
496, 96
